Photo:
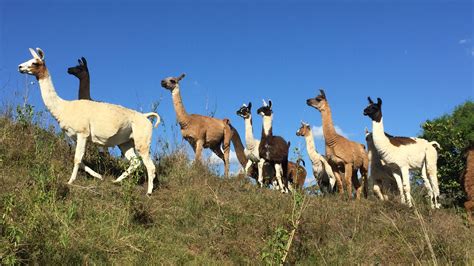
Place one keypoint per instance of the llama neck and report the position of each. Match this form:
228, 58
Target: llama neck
84, 88
249, 140
181, 114
381, 142
310, 146
267, 126
50, 98
328, 127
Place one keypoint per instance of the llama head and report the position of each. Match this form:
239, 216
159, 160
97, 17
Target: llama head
266, 109
303, 130
35, 66
172, 83
374, 110
245, 111
319, 102
81, 70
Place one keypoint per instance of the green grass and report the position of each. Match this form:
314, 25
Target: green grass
193, 216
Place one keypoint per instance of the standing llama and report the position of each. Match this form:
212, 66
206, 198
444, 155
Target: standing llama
468, 183
344, 156
380, 173
81, 71
204, 131
251, 144
272, 149
322, 171
296, 172
102, 123
404, 154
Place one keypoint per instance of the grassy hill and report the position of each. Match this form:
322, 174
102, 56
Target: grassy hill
195, 216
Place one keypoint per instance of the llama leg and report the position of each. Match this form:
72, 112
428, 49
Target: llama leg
469, 205
348, 179
217, 150
247, 166
398, 179
80, 149
198, 150
226, 148
260, 172
432, 171
90, 171
377, 188
129, 152
278, 174
340, 187
406, 185
427, 184
329, 172
226, 158
151, 170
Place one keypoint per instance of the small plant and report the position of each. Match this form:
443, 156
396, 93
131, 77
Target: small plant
25, 114
279, 245
275, 248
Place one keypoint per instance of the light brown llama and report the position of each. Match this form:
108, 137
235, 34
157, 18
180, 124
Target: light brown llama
344, 156
204, 131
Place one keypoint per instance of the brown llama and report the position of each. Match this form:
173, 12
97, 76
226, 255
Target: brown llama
204, 131
297, 173
344, 156
468, 183
81, 71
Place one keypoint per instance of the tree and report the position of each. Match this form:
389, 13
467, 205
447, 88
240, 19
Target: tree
454, 132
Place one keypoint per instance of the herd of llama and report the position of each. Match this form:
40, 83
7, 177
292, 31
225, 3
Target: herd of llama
265, 159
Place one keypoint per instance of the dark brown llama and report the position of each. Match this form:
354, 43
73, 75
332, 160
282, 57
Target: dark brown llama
273, 149
82, 73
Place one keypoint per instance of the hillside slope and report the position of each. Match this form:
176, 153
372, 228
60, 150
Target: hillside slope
193, 216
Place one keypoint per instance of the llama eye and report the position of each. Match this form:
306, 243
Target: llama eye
173, 81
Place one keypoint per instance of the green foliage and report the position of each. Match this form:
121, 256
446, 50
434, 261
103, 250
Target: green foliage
25, 114
275, 247
454, 132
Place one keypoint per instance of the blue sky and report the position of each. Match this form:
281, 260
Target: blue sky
416, 55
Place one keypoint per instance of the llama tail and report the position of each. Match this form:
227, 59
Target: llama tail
238, 146
435, 144
158, 119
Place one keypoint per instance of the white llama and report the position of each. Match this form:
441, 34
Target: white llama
405, 154
103, 123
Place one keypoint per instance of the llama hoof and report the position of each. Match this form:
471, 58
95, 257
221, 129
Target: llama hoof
148, 195
116, 180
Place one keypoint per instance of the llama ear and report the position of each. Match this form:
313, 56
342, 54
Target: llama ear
40, 53
366, 131
84, 62
270, 104
379, 102
181, 76
370, 100
264, 103
322, 93
80, 62
250, 106
34, 54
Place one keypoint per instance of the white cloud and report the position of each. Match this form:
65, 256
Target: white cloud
214, 159
463, 41
318, 132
